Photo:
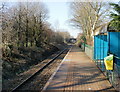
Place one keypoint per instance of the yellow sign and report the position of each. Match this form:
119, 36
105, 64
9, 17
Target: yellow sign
109, 62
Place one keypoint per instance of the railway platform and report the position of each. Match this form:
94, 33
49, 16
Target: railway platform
78, 72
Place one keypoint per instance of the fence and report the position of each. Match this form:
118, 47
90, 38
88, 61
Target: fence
103, 46
88, 50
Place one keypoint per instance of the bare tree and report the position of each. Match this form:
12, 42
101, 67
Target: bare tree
88, 16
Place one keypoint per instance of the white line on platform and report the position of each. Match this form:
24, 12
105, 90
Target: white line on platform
50, 79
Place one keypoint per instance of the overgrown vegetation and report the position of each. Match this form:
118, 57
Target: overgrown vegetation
27, 36
25, 25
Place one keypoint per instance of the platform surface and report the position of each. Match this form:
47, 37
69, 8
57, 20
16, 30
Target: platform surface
77, 72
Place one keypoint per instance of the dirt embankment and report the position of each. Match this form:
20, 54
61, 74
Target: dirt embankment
23, 58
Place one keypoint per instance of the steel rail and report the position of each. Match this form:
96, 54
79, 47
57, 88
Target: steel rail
41, 69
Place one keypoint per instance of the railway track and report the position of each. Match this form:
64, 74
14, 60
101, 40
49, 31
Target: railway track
41, 76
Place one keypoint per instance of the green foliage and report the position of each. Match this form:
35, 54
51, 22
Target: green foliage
115, 23
116, 7
83, 38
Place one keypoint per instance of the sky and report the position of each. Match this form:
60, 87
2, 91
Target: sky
59, 16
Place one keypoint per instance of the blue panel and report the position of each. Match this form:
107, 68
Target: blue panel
113, 42
117, 61
114, 45
100, 47
118, 44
